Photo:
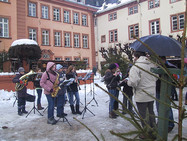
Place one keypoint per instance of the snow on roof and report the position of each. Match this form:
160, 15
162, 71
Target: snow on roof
106, 7
24, 42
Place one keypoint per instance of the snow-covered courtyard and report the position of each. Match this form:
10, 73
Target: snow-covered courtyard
35, 127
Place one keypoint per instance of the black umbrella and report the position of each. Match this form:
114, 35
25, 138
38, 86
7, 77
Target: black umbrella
161, 45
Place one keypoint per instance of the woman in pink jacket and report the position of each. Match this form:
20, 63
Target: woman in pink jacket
47, 81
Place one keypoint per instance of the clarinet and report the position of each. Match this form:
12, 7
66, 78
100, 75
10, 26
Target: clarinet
76, 80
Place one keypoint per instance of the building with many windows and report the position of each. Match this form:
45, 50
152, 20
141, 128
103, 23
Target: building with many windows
63, 29
117, 24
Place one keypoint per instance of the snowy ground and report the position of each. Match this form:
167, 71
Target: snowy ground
35, 127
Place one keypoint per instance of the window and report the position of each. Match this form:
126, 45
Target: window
66, 16
133, 30
32, 34
56, 14
46, 56
58, 58
32, 9
133, 10
85, 41
103, 39
76, 40
4, 27
84, 20
45, 37
45, 12
154, 27
154, 3
172, 1
57, 38
4, 0
77, 59
75, 18
112, 16
67, 59
87, 62
113, 36
67, 39
177, 22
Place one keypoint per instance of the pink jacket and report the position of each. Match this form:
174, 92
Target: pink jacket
47, 82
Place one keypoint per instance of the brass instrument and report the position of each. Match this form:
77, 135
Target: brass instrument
56, 88
23, 78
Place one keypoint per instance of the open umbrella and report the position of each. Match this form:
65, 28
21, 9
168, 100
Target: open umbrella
161, 45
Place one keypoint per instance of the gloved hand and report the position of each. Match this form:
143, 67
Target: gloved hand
51, 90
21, 82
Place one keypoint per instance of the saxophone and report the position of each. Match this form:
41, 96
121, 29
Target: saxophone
56, 88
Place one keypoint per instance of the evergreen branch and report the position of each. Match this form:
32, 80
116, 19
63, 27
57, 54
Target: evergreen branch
119, 135
175, 137
87, 128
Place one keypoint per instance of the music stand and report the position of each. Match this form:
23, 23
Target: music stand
87, 76
15, 95
34, 107
64, 120
92, 92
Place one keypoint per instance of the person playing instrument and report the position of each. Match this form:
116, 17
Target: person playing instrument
112, 79
38, 88
61, 92
73, 89
21, 93
47, 82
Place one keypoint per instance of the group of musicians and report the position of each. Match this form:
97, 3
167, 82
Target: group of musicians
55, 75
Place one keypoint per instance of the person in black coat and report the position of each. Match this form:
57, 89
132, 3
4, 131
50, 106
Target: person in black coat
22, 93
38, 88
128, 91
72, 89
112, 80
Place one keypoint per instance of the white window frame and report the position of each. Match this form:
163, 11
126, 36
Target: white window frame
85, 41
67, 39
76, 40
32, 9
4, 0
177, 23
57, 39
66, 16
75, 18
67, 59
56, 14
155, 27
4, 27
87, 62
77, 59
45, 37
45, 12
58, 58
153, 3
33, 34
84, 20
133, 29
46, 56
113, 36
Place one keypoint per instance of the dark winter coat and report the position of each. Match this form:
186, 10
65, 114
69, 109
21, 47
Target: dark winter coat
22, 92
62, 77
74, 86
127, 89
48, 82
111, 80
37, 80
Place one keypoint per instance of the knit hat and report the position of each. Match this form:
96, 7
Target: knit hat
21, 69
116, 65
58, 66
112, 66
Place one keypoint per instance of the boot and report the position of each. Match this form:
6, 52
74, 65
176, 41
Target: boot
39, 107
52, 121
112, 115
23, 109
19, 111
72, 109
77, 110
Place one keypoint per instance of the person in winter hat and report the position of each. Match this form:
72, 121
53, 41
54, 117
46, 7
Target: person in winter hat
22, 93
47, 81
61, 92
38, 88
111, 80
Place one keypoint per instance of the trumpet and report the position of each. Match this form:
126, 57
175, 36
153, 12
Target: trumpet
23, 78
